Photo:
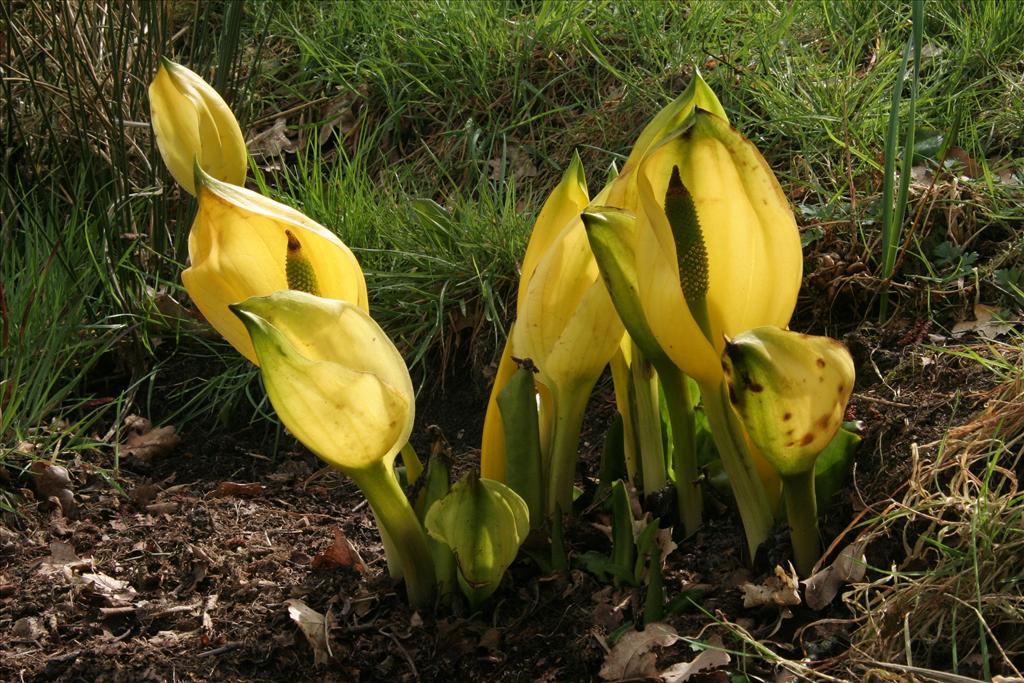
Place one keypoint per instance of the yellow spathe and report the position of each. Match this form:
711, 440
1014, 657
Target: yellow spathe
193, 123
334, 378
238, 248
754, 258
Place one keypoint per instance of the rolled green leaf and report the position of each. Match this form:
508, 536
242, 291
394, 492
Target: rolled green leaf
517, 403
483, 522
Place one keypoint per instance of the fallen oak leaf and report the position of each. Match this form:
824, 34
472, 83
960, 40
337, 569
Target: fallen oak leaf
987, 323
314, 626
53, 483
631, 657
712, 657
144, 442
114, 591
61, 555
780, 590
341, 553
233, 489
822, 587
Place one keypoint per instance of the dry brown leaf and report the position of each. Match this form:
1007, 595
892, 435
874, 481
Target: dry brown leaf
821, 588
273, 141
713, 657
632, 658
28, 628
341, 553
517, 165
116, 592
314, 626
228, 489
781, 590
61, 555
53, 483
986, 323
146, 443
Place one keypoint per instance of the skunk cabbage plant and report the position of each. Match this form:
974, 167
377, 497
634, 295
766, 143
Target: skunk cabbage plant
243, 244
341, 387
193, 124
791, 391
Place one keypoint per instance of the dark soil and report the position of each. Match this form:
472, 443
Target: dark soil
181, 568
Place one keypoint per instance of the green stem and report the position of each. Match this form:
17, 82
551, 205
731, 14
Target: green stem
647, 414
802, 512
398, 519
684, 446
569, 405
728, 434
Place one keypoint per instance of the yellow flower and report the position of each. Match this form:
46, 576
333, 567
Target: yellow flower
335, 379
562, 206
243, 244
341, 387
750, 269
791, 391
193, 123
568, 327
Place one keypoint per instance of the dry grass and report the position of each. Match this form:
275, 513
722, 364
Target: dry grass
956, 600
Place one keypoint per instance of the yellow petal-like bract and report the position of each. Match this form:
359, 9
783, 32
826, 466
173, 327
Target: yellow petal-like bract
790, 390
750, 238
562, 206
567, 324
193, 123
239, 247
334, 378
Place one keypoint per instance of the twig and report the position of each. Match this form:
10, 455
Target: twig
226, 647
398, 644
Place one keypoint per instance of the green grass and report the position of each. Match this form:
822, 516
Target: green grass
458, 119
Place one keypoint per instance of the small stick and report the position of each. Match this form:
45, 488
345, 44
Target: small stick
226, 647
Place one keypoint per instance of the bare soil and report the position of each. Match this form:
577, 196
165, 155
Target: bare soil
182, 568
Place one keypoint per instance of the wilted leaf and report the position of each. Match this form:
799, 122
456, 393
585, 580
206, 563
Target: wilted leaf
713, 657
143, 494
53, 482
821, 588
516, 165
780, 590
114, 591
632, 657
986, 323
341, 553
228, 489
272, 141
145, 443
61, 555
314, 626
28, 628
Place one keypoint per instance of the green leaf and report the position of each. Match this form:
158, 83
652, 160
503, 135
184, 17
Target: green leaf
483, 522
623, 545
517, 402
610, 233
832, 467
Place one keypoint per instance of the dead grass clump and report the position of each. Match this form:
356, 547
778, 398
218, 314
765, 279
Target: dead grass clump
956, 602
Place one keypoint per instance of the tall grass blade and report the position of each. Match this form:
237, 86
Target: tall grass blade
894, 212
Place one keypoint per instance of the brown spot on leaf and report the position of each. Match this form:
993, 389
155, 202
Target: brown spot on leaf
787, 416
842, 388
820, 362
756, 388
808, 438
